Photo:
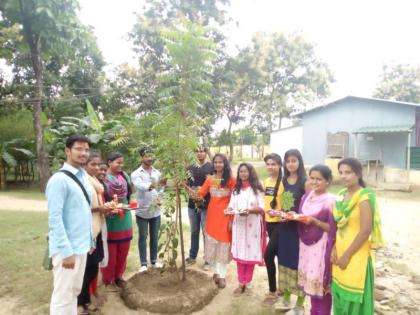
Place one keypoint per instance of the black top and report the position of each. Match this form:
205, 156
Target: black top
199, 175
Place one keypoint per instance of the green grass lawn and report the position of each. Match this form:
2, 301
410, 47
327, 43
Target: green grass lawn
22, 248
31, 192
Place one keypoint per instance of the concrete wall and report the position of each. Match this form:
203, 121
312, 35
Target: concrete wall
349, 115
285, 139
396, 175
245, 151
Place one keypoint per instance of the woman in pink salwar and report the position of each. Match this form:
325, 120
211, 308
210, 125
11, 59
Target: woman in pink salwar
316, 239
248, 232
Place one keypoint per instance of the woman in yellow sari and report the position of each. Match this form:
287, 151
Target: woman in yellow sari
358, 232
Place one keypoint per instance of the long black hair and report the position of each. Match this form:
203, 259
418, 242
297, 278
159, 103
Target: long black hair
356, 167
277, 159
301, 173
227, 171
253, 180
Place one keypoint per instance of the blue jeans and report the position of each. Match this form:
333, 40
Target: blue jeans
153, 224
197, 219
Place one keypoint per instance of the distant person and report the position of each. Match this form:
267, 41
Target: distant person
358, 231
119, 226
248, 232
69, 195
149, 186
197, 210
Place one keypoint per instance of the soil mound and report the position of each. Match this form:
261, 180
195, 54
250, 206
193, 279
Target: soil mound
165, 293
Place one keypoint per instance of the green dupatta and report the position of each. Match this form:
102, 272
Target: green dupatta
343, 209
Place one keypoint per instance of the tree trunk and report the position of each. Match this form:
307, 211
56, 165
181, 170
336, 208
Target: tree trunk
181, 234
280, 121
33, 43
230, 141
3, 181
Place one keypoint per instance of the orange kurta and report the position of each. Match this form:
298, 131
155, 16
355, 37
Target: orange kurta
217, 223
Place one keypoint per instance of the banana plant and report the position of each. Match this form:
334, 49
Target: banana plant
11, 152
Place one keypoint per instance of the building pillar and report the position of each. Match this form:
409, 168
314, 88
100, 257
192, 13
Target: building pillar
355, 146
408, 151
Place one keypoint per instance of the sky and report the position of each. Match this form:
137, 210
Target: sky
355, 38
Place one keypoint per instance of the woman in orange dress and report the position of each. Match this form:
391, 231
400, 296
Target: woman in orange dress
218, 226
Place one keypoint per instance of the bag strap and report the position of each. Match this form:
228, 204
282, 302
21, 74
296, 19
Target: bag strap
71, 175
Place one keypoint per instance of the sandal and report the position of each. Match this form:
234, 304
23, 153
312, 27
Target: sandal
270, 298
221, 283
239, 290
216, 278
121, 283
91, 307
283, 306
82, 310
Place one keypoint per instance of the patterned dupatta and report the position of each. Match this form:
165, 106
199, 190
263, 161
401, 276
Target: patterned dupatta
117, 185
343, 209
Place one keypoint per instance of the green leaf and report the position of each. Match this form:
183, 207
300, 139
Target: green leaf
96, 124
95, 138
9, 159
25, 152
174, 242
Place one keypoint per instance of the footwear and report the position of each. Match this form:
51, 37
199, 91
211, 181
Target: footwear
216, 278
248, 290
111, 287
157, 265
120, 283
81, 310
221, 284
100, 299
190, 261
91, 308
297, 310
143, 269
206, 266
283, 305
239, 290
271, 298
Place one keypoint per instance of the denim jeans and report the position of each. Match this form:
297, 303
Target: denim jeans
197, 220
153, 225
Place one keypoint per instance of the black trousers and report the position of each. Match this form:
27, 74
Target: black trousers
271, 253
91, 271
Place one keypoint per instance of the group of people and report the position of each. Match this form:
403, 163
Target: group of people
90, 223
322, 243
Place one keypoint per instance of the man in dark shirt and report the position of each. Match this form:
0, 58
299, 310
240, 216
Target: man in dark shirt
197, 210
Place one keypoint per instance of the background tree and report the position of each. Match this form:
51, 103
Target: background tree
400, 82
236, 79
49, 34
290, 77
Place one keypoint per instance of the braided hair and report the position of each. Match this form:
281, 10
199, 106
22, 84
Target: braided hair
277, 159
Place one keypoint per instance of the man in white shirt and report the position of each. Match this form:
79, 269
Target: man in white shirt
149, 186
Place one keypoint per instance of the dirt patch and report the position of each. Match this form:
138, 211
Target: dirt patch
14, 203
165, 293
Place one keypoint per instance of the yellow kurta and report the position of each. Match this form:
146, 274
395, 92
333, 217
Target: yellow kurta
269, 185
352, 279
